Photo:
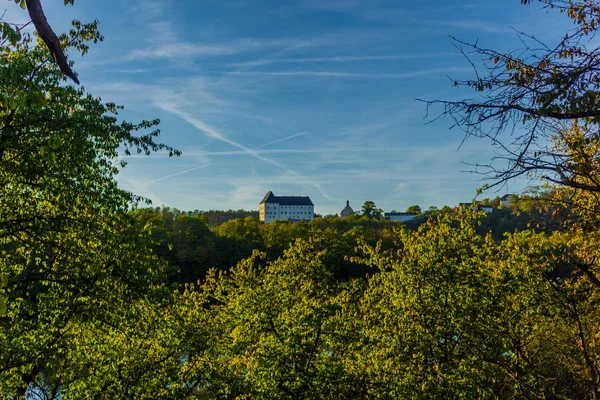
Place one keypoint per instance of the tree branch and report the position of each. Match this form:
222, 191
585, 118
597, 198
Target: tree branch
34, 7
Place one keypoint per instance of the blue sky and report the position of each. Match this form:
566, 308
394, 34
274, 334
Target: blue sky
303, 97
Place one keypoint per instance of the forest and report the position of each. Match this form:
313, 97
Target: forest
191, 245
104, 297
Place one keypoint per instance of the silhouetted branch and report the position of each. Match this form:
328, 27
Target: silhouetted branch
34, 7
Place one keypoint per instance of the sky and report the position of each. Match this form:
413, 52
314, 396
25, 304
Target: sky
301, 97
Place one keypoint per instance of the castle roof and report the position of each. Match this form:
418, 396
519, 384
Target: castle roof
287, 200
347, 210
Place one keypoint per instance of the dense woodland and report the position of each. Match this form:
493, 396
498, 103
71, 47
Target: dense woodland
192, 245
103, 298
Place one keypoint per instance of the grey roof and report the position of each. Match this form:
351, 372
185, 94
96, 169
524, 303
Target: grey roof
287, 200
347, 209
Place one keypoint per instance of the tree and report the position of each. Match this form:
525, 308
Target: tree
73, 257
551, 94
414, 209
183, 239
237, 238
454, 314
12, 33
34, 7
280, 331
370, 210
542, 90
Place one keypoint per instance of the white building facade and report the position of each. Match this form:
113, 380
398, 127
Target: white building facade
505, 200
487, 209
400, 216
290, 208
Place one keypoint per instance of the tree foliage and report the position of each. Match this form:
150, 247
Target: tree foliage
414, 209
70, 252
99, 299
370, 210
537, 91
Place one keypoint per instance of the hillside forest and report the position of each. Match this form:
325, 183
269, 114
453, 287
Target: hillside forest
103, 296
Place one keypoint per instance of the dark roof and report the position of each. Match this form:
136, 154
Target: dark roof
347, 209
269, 197
287, 200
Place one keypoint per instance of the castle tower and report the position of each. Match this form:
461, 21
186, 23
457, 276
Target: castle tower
347, 210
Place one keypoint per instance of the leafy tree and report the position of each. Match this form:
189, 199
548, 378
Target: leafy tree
550, 93
457, 315
237, 239
370, 210
3, 282
414, 209
183, 239
217, 217
71, 253
279, 331
11, 33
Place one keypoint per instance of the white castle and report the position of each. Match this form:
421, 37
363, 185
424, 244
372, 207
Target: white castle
291, 208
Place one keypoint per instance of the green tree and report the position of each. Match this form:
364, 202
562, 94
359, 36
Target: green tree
370, 210
183, 239
71, 253
237, 239
414, 209
457, 315
279, 330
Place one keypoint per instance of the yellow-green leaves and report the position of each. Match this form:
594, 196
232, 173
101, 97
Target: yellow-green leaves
9, 33
72, 257
3, 283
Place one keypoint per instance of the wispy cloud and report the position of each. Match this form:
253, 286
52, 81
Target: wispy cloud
246, 193
129, 71
148, 8
214, 133
142, 188
256, 152
182, 49
481, 25
340, 59
355, 75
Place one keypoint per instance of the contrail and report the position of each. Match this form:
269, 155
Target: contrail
179, 173
280, 140
215, 134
